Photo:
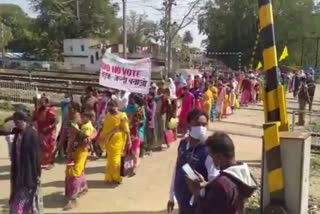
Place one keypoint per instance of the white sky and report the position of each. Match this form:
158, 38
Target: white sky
140, 6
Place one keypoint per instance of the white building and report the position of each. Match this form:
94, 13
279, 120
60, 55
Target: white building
85, 53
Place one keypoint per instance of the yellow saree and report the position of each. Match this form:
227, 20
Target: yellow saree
114, 135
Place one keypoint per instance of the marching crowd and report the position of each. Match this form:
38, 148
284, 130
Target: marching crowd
123, 126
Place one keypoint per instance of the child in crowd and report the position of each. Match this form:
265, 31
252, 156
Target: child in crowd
78, 151
86, 130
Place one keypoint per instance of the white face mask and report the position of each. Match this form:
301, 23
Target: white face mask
199, 133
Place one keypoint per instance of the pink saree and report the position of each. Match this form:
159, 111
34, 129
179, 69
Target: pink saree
47, 135
187, 106
246, 93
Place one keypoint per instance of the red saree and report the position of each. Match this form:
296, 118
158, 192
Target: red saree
44, 119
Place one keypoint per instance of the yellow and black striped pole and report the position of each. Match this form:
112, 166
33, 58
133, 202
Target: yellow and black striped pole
275, 110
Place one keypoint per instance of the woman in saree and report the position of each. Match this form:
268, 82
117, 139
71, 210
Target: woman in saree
78, 150
115, 136
187, 106
254, 90
246, 92
160, 119
220, 100
214, 91
46, 120
227, 103
75, 179
151, 137
25, 196
135, 115
207, 101
62, 136
198, 95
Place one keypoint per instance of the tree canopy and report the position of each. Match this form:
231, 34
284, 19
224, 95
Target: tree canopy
141, 31
17, 27
187, 37
233, 26
57, 21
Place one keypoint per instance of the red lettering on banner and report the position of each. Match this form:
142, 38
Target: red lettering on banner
106, 67
118, 70
126, 72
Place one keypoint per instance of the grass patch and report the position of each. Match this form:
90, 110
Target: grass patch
6, 106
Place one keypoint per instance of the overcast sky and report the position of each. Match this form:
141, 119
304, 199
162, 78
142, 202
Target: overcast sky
140, 6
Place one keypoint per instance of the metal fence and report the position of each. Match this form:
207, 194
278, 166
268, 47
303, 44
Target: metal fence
24, 92
17, 91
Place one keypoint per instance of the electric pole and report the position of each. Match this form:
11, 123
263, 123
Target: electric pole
169, 37
78, 9
124, 7
165, 3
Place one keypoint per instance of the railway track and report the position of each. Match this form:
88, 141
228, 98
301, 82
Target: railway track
53, 72
51, 80
50, 88
62, 78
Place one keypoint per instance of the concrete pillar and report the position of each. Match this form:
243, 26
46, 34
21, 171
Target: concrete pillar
296, 153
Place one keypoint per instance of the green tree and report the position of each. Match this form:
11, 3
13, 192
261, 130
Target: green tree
141, 31
7, 35
187, 37
233, 26
58, 20
19, 26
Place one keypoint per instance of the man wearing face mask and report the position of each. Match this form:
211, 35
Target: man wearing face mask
192, 151
227, 193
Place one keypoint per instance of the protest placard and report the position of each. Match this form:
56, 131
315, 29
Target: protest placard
128, 75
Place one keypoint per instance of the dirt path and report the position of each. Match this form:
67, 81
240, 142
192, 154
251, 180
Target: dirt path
148, 191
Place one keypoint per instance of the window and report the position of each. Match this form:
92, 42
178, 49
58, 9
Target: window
92, 59
97, 55
71, 48
82, 47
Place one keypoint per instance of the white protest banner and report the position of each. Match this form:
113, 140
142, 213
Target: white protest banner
128, 75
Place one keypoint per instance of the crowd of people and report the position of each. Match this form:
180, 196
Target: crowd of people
120, 124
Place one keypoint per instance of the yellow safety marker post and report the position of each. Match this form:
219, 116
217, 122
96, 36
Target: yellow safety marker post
276, 118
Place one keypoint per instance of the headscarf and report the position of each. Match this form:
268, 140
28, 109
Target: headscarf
172, 87
131, 108
182, 80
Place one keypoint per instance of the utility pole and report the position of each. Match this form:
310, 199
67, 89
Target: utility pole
124, 7
165, 3
3, 44
78, 9
169, 37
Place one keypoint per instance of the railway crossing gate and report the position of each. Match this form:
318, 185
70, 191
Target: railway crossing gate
276, 186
